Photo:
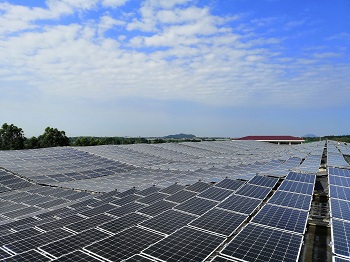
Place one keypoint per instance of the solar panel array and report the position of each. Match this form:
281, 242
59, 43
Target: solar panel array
144, 211
339, 191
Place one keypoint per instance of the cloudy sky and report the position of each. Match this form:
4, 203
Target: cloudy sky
158, 67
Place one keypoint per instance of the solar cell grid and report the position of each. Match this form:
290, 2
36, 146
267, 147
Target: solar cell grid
150, 199
230, 184
216, 194
77, 256
339, 192
181, 196
168, 222
263, 181
340, 259
341, 237
297, 187
283, 218
74, 242
172, 189
9, 238
339, 172
254, 191
157, 208
30, 256
148, 191
126, 209
98, 210
198, 187
289, 199
186, 244
219, 221
300, 177
124, 244
257, 243
340, 209
33, 242
197, 206
126, 221
138, 258
339, 181
240, 204
60, 222
90, 222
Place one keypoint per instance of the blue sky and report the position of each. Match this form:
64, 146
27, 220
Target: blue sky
156, 67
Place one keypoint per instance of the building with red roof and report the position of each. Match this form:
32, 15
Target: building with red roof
289, 140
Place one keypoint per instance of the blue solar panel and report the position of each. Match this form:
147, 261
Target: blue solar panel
215, 193
258, 243
341, 237
340, 209
339, 171
263, 181
289, 199
297, 187
300, 177
339, 192
186, 244
254, 191
219, 221
339, 181
230, 184
240, 204
282, 217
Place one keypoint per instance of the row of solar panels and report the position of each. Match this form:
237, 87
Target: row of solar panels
176, 223
339, 193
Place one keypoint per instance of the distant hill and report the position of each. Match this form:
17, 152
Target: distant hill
180, 136
310, 135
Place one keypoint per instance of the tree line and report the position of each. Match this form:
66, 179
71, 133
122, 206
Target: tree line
12, 138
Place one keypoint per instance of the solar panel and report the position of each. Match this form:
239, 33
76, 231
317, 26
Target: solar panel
230, 184
31, 255
283, 218
339, 192
240, 204
124, 244
300, 177
196, 205
172, 189
289, 199
150, 199
181, 196
90, 222
297, 187
60, 223
339, 172
125, 200
97, 210
254, 191
339, 259
74, 242
138, 258
339, 181
263, 181
4, 254
168, 222
221, 259
219, 221
258, 243
9, 238
38, 240
186, 244
341, 237
77, 256
215, 193
157, 208
148, 191
126, 209
126, 221
340, 209
198, 187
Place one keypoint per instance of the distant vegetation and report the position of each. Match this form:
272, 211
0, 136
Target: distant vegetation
12, 138
345, 138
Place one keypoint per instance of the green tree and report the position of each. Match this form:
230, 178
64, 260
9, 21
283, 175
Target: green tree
11, 137
31, 143
53, 137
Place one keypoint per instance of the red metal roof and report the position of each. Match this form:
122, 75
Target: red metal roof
271, 138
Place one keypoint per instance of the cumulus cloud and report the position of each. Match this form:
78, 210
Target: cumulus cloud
167, 49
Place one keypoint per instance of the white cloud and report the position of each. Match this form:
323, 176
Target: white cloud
113, 3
